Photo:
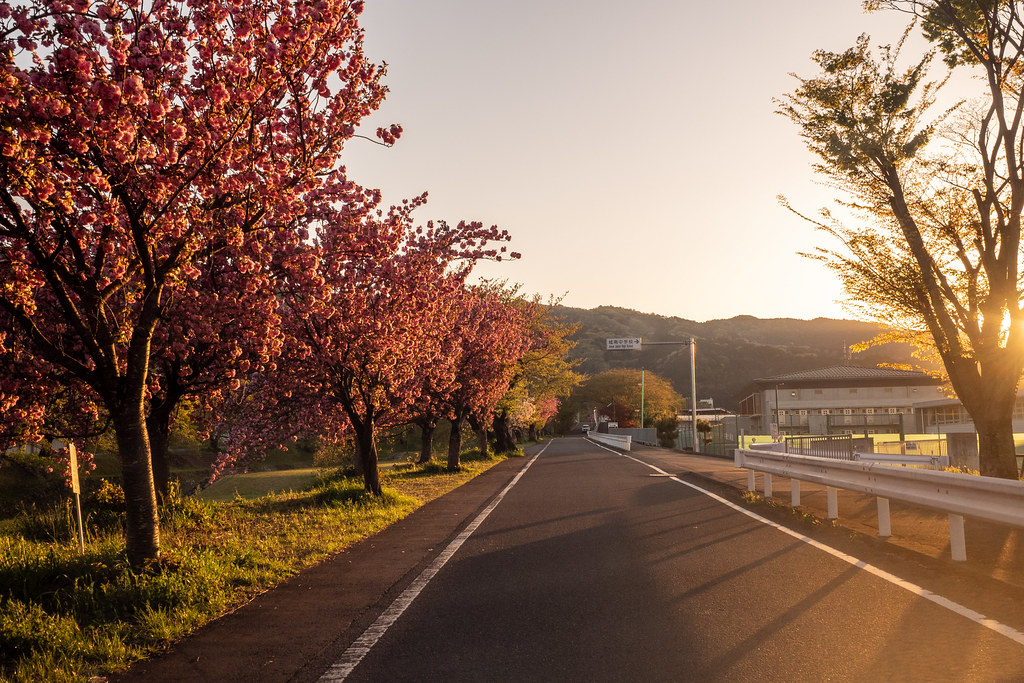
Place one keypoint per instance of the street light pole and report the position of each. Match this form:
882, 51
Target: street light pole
642, 398
693, 393
637, 344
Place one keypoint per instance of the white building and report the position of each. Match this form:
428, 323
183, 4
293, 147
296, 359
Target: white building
948, 416
841, 399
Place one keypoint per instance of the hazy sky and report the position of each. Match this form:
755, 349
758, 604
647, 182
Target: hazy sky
631, 148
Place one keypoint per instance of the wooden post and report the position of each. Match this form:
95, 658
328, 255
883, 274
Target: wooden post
76, 489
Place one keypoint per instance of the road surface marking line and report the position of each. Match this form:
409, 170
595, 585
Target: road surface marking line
340, 670
991, 624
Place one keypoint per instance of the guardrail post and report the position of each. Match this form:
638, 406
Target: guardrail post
884, 524
957, 543
833, 502
767, 485
751, 484
794, 492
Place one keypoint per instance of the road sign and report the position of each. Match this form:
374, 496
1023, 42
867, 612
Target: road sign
628, 344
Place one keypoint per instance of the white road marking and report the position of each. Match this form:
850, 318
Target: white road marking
340, 670
999, 627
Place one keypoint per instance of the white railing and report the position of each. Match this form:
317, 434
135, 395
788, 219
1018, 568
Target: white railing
959, 495
615, 440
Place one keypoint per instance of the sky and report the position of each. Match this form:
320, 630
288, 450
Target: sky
631, 149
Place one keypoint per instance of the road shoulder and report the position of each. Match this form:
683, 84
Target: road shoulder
297, 629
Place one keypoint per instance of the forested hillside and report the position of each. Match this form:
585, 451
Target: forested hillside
730, 353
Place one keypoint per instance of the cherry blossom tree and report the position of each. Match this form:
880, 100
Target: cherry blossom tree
364, 347
219, 330
492, 338
139, 137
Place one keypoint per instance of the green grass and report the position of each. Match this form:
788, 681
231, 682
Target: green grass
65, 617
258, 484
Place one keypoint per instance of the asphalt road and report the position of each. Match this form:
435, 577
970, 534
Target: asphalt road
595, 567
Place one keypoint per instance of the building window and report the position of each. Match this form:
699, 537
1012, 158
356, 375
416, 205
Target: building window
826, 411
782, 413
847, 411
893, 411
869, 411
803, 412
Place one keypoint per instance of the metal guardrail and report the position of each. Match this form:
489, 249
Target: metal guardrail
933, 461
616, 440
835, 446
959, 495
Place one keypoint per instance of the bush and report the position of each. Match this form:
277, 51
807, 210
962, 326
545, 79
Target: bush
668, 431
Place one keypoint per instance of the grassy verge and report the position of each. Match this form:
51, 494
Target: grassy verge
258, 484
65, 617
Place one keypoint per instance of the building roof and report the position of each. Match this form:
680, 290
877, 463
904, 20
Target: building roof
844, 373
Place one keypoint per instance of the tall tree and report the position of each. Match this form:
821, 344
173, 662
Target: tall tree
618, 395
221, 327
492, 337
544, 372
139, 135
940, 253
363, 347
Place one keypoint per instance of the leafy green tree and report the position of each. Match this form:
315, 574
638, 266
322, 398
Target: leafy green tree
616, 394
938, 253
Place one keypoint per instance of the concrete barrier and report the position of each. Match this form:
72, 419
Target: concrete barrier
613, 440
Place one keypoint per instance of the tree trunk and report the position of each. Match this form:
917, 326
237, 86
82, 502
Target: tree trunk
357, 458
503, 439
427, 442
988, 391
158, 424
996, 452
159, 437
158, 428
455, 444
366, 456
480, 427
142, 525
482, 435
534, 436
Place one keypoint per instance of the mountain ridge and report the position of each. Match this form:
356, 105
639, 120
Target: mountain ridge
730, 352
